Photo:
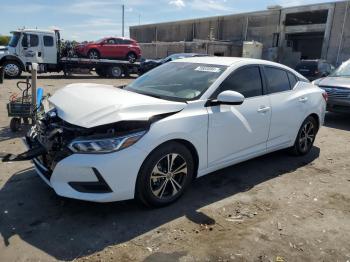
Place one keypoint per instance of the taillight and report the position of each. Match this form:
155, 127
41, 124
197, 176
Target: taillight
325, 96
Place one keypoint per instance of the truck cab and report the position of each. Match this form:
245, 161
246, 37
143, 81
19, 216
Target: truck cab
30, 46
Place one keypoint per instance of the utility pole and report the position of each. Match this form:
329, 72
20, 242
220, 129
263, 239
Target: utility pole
123, 20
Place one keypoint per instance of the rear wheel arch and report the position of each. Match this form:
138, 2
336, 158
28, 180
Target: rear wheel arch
317, 119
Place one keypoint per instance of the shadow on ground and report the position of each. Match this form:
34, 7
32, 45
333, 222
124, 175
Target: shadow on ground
7, 134
68, 229
338, 121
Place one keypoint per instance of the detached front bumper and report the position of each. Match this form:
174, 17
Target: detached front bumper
92, 177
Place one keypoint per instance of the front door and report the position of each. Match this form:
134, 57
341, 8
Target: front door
239, 132
30, 48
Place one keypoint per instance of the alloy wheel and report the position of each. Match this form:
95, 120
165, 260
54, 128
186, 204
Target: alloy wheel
93, 55
307, 136
11, 70
168, 176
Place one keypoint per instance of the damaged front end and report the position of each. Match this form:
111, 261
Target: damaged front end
52, 139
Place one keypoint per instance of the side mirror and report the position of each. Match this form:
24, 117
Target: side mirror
230, 98
227, 98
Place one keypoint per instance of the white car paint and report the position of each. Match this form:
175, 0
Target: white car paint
221, 135
89, 105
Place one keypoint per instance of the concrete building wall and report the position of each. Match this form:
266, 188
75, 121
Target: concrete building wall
339, 42
163, 49
261, 27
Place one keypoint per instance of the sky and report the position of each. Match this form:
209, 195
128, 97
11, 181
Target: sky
90, 20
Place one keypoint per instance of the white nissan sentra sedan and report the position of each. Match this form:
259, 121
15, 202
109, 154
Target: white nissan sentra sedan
182, 120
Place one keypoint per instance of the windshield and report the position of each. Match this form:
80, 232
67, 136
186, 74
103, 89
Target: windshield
342, 71
14, 39
178, 81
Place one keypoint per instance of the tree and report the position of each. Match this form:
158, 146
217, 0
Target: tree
4, 39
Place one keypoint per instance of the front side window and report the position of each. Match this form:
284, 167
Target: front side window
246, 81
14, 39
111, 41
33, 40
277, 80
177, 81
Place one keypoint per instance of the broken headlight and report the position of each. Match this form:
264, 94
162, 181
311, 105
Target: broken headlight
105, 145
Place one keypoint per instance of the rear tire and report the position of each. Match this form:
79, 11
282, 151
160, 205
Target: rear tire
165, 175
12, 69
115, 71
305, 138
131, 57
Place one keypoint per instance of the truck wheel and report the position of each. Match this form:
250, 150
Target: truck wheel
93, 54
115, 71
15, 124
12, 69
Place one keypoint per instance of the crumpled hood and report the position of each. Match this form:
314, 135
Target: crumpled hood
334, 82
90, 105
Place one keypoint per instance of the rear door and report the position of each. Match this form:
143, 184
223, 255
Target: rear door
288, 105
241, 131
49, 49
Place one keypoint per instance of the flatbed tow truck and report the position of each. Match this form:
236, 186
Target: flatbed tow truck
29, 46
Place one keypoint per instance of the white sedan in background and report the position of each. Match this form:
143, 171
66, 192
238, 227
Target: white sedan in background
182, 120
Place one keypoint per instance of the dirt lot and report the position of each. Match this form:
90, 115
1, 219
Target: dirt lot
274, 208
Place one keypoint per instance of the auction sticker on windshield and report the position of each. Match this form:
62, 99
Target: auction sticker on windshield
208, 69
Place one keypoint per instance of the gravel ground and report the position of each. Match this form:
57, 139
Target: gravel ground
273, 208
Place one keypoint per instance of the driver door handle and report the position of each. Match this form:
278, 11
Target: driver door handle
263, 109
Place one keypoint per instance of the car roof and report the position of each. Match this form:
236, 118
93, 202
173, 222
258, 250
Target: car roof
230, 61
34, 31
226, 61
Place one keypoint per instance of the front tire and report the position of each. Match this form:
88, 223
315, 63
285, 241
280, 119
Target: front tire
12, 69
306, 137
165, 175
93, 54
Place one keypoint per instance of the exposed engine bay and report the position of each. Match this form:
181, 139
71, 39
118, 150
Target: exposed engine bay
49, 138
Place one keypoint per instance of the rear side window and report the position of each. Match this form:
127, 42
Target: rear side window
34, 40
125, 42
293, 80
48, 40
277, 80
246, 81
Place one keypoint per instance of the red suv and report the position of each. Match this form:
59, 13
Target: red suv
110, 47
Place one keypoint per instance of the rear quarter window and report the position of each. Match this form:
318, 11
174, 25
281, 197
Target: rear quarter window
48, 40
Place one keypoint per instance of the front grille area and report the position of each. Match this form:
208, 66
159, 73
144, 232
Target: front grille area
337, 92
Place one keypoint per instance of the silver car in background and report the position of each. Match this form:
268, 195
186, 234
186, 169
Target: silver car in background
337, 86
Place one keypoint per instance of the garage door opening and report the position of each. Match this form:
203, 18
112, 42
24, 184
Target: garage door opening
308, 44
